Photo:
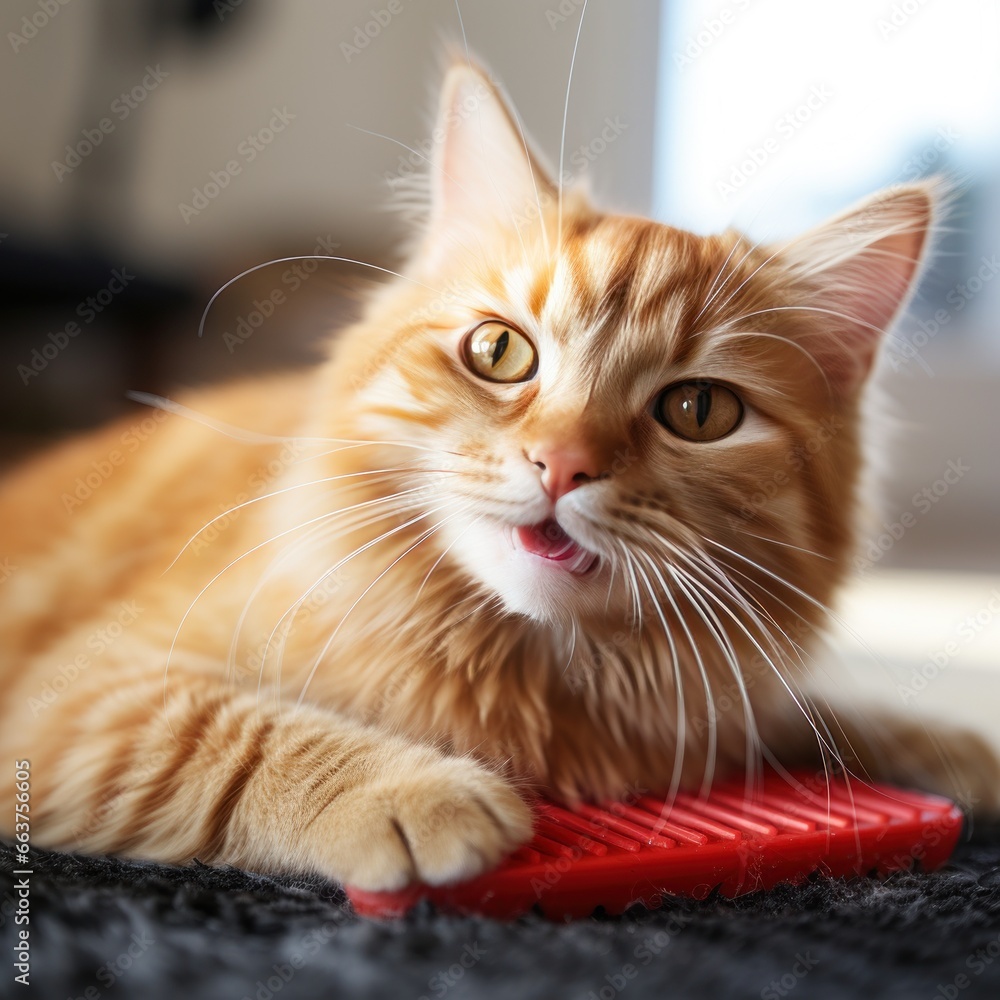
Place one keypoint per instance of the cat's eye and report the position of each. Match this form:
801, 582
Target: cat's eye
498, 352
699, 411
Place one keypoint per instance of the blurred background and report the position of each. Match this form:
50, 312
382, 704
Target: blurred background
154, 149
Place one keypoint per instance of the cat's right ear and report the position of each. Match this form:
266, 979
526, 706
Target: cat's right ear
484, 173
857, 272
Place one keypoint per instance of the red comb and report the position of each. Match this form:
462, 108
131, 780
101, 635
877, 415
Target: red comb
619, 854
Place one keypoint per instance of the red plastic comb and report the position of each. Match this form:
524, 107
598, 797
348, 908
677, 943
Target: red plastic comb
620, 854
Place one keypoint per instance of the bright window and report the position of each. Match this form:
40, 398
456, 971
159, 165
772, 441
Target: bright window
775, 113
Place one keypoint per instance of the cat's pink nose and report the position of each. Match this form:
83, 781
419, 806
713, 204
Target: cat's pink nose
563, 468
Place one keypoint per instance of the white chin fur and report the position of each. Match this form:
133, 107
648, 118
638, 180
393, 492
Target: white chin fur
527, 584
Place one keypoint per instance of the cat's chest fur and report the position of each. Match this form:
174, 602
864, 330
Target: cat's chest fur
581, 715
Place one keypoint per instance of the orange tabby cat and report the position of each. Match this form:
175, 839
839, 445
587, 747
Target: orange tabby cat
502, 540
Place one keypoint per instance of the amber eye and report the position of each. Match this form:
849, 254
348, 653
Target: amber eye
699, 411
498, 352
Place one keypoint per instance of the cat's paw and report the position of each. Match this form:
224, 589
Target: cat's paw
425, 817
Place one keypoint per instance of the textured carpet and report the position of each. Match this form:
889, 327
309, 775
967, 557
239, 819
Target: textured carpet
110, 928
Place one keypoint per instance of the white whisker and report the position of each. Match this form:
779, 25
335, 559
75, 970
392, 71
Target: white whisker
308, 256
562, 141
326, 647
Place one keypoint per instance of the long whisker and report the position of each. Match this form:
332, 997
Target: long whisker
690, 588
449, 547
799, 698
740, 241
329, 642
712, 750
317, 535
734, 334
719, 632
253, 437
572, 650
681, 722
307, 256
733, 271
787, 545
293, 609
416, 152
562, 141
827, 743
767, 260
711, 294
465, 40
828, 611
524, 141
484, 602
397, 509
173, 644
882, 332
288, 489
534, 182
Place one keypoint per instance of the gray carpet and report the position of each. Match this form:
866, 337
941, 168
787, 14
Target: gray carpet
110, 928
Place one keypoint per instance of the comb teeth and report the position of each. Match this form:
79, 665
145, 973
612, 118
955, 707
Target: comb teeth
619, 854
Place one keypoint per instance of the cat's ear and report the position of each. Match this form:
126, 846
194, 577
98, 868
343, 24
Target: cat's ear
483, 171
856, 273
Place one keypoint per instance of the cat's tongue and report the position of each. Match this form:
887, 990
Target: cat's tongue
549, 541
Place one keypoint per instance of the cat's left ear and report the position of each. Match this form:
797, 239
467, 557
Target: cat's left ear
856, 273
483, 172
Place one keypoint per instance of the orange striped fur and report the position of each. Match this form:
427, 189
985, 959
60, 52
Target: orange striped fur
309, 643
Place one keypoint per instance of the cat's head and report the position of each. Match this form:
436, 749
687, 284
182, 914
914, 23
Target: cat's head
624, 414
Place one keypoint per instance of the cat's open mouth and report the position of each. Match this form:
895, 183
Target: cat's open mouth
548, 541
